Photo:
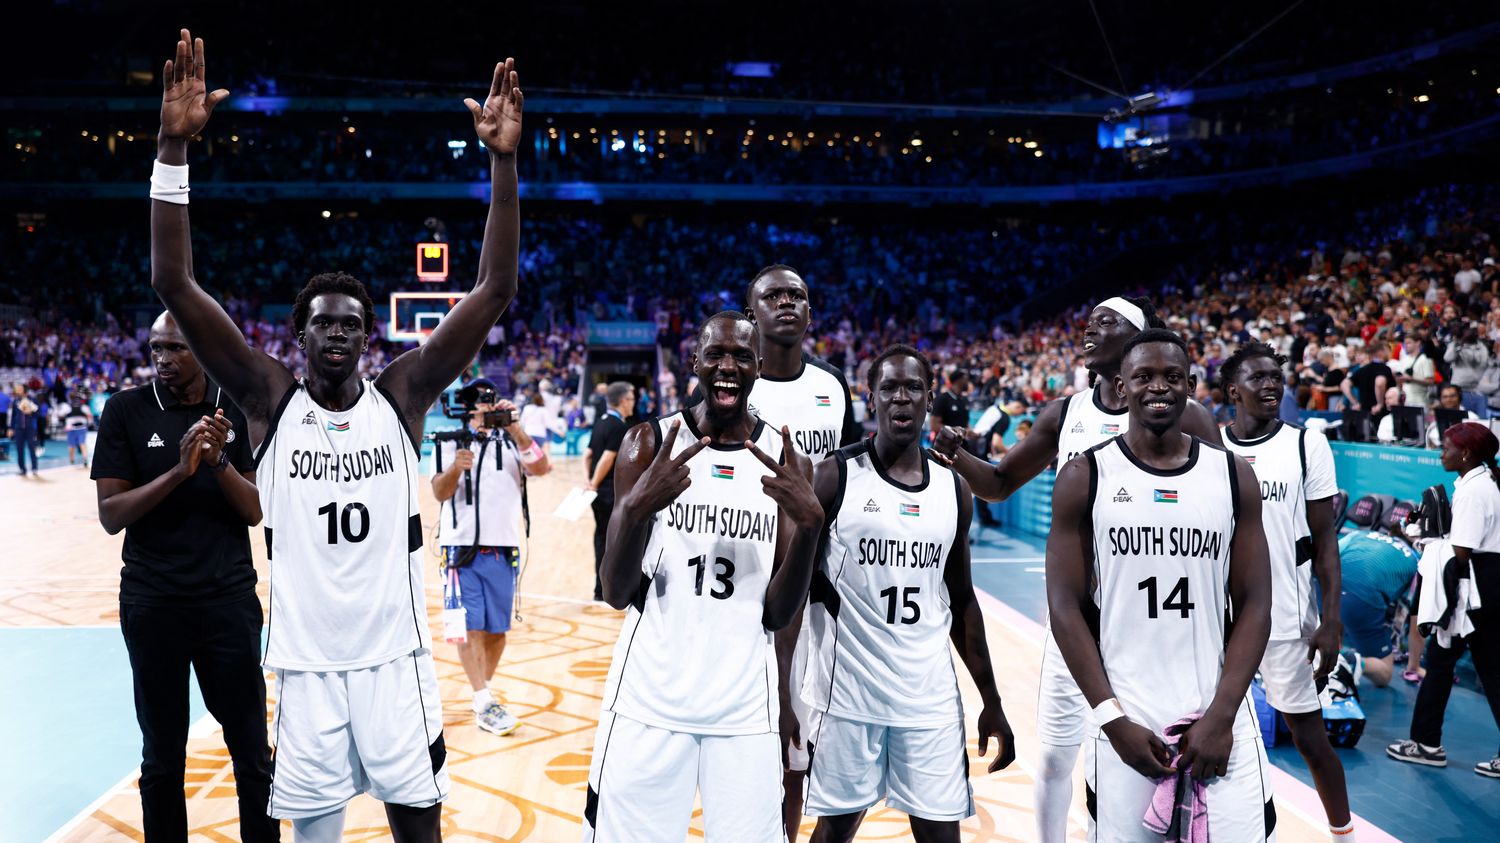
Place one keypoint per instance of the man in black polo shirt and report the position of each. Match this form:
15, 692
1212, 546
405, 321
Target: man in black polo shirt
604, 447
172, 467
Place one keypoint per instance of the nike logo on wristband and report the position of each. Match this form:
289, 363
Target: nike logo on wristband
182, 187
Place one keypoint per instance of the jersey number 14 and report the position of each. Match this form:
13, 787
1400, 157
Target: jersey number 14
1177, 599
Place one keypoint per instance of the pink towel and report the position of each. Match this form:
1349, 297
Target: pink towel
1179, 808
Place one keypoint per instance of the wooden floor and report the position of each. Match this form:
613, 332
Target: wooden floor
528, 786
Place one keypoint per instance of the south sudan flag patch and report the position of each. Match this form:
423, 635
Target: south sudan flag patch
912, 509
339, 426
1164, 495
823, 400
722, 472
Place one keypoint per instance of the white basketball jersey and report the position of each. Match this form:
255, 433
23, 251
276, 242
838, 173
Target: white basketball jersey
814, 405
1086, 422
1161, 561
693, 655
880, 613
1293, 466
343, 534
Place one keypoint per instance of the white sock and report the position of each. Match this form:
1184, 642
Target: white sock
1426, 748
482, 700
328, 828
1053, 791
1343, 833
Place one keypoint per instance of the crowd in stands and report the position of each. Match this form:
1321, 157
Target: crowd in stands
1407, 289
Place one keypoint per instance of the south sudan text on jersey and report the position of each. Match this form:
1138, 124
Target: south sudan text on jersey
345, 467
727, 521
1166, 541
900, 553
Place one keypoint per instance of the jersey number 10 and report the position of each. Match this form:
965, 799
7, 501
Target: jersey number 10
345, 523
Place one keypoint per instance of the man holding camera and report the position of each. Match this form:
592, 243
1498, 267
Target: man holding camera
480, 481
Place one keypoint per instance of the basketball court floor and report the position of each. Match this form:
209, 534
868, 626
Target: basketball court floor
72, 745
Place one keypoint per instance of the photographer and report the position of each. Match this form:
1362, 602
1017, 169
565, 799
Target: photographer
1468, 357
480, 481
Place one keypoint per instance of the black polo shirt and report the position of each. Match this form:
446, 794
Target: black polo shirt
608, 435
952, 408
193, 548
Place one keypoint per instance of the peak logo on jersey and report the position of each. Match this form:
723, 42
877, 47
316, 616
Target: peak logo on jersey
912, 509
339, 426
155, 442
310, 418
1165, 496
1077, 428
1109, 429
722, 472
872, 506
1123, 496
822, 401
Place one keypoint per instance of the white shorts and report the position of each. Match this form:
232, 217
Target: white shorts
342, 733
1240, 809
1288, 677
922, 772
642, 781
1062, 714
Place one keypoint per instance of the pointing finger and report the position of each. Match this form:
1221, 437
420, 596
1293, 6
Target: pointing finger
691, 451
669, 440
761, 455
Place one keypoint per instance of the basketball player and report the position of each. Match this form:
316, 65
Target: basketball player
811, 397
1064, 429
891, 588
1156, 540
710, 549
357, 702
1297, 485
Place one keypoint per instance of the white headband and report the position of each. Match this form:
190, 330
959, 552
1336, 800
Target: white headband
1134, 315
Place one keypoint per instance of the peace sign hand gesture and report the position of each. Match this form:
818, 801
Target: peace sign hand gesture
790, 484
498, 121
666, 477
185, 107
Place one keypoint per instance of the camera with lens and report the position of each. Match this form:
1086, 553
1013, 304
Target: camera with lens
462, 406
466, 400
1433, 517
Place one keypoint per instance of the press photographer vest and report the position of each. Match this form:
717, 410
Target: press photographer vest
491, 495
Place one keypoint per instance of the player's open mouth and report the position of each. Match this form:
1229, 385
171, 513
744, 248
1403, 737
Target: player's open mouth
1270, 399
1158, 404
901, 421
1089, 345
726, 393
335, 355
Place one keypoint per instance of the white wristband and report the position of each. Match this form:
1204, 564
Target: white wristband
1107, 712
169, 183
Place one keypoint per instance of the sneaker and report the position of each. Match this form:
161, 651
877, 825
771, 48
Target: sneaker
1490, 768
1412, 752
497, 721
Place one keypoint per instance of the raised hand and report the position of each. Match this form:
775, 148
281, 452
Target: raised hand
948, 442
190, 450
498, 121
185, 105
790, 484
666, 477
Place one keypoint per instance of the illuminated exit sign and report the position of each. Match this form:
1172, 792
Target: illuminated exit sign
432, 262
